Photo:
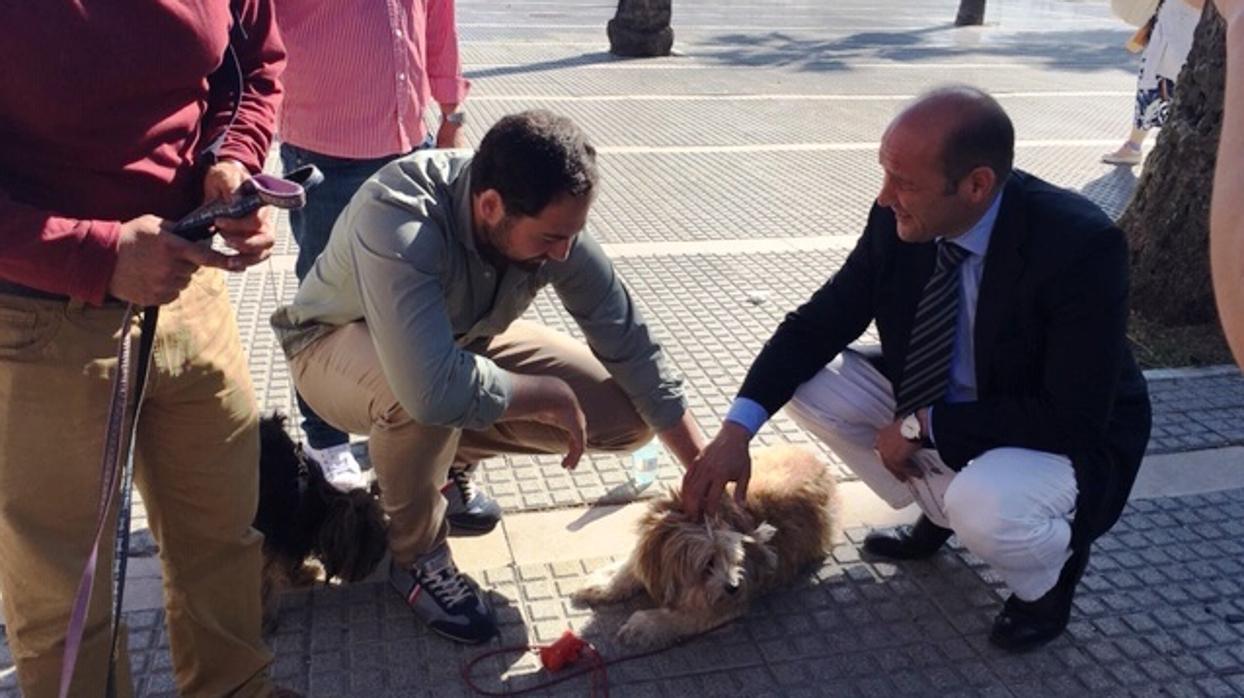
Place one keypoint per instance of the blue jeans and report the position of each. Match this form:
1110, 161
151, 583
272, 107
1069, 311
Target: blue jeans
312, 226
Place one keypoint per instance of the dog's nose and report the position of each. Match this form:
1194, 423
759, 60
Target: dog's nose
732, 588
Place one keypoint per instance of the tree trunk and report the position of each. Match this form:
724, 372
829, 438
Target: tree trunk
641, 29
971, 13
1167, 220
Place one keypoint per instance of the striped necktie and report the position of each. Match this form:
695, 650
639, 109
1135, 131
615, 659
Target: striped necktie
927, 371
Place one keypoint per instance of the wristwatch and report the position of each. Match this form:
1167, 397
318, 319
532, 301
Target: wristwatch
909, 428
456, 117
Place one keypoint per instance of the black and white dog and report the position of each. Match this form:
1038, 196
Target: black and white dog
302, 516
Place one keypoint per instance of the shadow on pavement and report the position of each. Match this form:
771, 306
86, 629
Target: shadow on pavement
1112, 190
612, 501
587, 59
1075, 50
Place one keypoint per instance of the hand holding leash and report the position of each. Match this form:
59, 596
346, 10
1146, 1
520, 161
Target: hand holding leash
252, 236
289, 192
153, 267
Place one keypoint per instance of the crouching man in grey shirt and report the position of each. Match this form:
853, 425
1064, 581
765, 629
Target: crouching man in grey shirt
407, 330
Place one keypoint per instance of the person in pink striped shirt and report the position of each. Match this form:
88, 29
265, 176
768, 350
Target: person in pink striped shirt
358, 80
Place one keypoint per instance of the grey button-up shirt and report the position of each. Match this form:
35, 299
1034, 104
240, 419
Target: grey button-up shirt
402, 258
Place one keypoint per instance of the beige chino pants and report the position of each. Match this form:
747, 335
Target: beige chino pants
196, 465
340, 377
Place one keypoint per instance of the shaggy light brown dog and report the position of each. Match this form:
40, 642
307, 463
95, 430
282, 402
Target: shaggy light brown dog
705, 573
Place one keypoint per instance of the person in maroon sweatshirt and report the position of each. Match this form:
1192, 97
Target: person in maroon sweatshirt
105, 108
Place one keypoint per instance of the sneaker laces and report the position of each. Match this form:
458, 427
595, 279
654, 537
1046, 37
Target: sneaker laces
442, 579
461, 479
337, 461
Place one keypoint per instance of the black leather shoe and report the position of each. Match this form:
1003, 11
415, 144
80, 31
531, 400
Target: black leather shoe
1024, 625
914, 542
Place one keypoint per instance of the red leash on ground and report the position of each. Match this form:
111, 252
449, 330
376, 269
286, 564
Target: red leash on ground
568, 649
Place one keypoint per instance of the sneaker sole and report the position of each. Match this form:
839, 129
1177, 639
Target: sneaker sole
460, 640
466, 531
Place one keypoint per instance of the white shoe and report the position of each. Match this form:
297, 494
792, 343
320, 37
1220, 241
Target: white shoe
1128, 154
339, 466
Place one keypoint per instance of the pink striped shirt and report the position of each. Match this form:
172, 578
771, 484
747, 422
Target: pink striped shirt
360, 72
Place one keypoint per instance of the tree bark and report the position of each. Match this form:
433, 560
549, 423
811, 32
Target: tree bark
1167, 220
641, 29
971, 13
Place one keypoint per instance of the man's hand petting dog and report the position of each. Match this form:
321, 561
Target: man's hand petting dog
549, 400
896, 452
702, 574
252, 236
725, 459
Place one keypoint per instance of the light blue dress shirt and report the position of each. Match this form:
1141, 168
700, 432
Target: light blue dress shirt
962, 388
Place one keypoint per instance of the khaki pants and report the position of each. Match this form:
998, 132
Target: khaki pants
196, 461
340, 377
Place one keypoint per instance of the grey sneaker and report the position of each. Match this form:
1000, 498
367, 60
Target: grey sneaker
450, 603
470, 510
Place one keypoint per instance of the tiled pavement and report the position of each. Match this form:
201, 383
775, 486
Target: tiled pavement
1160, 612
736, 176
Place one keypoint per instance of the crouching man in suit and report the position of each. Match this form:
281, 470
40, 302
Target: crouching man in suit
1004, 399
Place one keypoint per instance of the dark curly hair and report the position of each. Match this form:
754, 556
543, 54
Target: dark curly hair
533, 158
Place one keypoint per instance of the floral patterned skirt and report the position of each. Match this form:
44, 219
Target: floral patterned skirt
1162, 60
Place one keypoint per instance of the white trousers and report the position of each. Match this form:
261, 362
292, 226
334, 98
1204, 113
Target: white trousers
1011, 507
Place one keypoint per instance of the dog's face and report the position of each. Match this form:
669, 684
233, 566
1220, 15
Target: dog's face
701, 565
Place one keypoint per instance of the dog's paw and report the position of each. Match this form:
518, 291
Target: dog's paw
646, 630
609, 584
590, 595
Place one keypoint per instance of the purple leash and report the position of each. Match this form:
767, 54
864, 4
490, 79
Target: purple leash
125, 404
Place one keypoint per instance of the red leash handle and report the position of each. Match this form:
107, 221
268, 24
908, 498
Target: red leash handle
563, 652
568, 649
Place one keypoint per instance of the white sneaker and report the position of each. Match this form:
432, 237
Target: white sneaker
339, 466
1128, 154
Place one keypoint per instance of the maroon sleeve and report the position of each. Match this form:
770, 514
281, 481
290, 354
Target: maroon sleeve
262, 57
33, 242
